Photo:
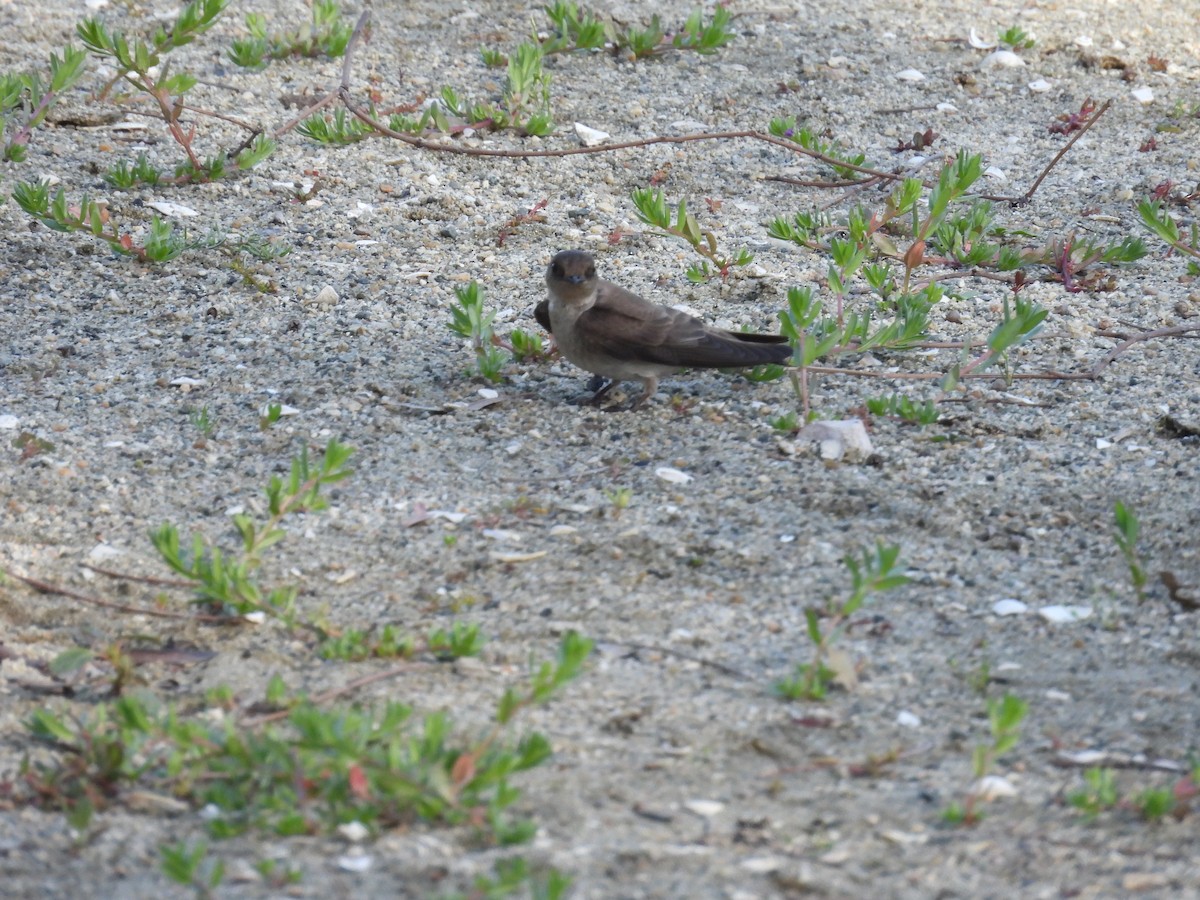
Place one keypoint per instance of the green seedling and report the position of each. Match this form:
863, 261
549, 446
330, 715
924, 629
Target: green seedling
470, 320
902, 407
271, 414
1125, 532
226, 581
1015, 39
1158, 220
320, 767
513, 877
1155, 804
873, 572
26, 99
325, 35
1098, 794
652, 208
620, 498
144, 64
1004, 723
203, 422
187, 866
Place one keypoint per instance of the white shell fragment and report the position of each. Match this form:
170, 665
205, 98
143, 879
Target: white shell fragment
284, 410
706, 808
946, 107
173, 210
673, 476
846, 437
979, 43
1142, 95
185, 382
1009, 607
905, 719
354, 832
1059, 615
1084, 41
8, 422
995, 174
590, 137
1001, 59
909, 75
1040, 86
993, 787
354, 862
326, 298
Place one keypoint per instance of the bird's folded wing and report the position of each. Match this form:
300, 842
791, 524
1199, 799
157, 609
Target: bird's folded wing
667, 337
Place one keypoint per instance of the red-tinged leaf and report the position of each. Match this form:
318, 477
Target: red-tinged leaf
126, 241
914, 255
359, 786
464, 769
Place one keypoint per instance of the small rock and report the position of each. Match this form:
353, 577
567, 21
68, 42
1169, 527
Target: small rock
7, 422
1001, 59
1059, 615
354, 832
762, 865
673, 476
590, 137
1144, 881
326, 298
354, 862
993, 787
1009, 607
1142, 95
838, 438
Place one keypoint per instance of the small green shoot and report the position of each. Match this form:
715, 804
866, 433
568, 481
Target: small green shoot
874, 572
1004, 723
652, 208
186, 866
1098, 794
903, 408
1125, 532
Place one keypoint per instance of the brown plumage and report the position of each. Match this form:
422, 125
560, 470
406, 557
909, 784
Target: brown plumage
607, 330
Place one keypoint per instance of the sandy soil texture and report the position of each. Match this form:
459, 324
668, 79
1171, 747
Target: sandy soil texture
676, 770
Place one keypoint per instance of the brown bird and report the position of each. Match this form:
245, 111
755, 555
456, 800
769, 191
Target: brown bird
614, 333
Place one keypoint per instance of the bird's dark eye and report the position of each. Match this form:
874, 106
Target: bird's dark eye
591, 272
557, 269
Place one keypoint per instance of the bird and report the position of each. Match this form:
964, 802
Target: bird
611, 332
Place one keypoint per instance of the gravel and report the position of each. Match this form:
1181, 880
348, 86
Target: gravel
676, 771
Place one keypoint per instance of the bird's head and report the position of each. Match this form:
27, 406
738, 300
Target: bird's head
572, 275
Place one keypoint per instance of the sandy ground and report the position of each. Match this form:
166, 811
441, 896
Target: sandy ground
676, 771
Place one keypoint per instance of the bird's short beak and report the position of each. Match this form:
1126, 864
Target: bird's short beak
575, 279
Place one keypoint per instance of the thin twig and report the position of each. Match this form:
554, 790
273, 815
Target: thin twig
1028, 195
334, 693
141, 579
47, 588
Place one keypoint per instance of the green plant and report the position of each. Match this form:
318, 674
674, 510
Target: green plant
324, 35
1015, 39
142, 63
225, 580
620, 498
26, 99
319, 768
203, 422
1098, 794
183, 865
1004, 724
652, 208
1157, 219
903, 408
514, 875
269, 416
470, 320
1125, 533
874, 572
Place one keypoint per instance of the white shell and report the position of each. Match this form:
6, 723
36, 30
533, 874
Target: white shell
909, 75
590, 137
979, 43
174, 210
1040, 86
1009, 607
1058, 615
1142, 95
1002, 59
674, 476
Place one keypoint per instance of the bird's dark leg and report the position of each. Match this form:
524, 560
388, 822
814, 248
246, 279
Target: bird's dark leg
600, 391
649, 386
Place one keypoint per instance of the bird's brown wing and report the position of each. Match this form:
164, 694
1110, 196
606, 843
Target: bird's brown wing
541, 312
626, 327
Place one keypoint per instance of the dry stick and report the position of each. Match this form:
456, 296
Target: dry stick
141, 579
423, 144
1028, 195
334, 693
47, 588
